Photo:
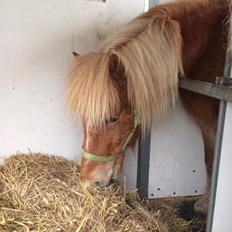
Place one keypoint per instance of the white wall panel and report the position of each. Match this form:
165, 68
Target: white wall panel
177, 166
37, 38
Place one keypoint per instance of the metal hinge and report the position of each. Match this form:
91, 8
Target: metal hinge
225, 81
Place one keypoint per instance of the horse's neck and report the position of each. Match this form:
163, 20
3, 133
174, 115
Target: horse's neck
204, 37
203, 31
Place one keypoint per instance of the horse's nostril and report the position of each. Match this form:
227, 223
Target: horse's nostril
97, 184
112, 180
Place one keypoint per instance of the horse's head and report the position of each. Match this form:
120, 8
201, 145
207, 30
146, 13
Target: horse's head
104, 148
134, 74
105, 139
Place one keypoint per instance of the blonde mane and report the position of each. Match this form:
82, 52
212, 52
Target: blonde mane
152, 75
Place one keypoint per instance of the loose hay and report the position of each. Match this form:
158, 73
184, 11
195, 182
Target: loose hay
42, 193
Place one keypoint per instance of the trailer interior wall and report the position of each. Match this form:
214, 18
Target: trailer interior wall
37, 38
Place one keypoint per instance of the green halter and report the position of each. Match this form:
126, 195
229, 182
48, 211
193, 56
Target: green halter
99, 158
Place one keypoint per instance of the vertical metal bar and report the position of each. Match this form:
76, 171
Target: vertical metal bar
144, 149
219, 138
143, 165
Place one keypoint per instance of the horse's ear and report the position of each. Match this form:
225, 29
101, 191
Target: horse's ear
114, 63
75, 54
116, 70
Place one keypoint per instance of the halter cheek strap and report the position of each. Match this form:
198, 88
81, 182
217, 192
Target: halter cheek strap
99, 158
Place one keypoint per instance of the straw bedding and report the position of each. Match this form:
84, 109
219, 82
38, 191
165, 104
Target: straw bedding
44, 193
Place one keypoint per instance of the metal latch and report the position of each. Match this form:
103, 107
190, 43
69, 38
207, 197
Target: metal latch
225, 81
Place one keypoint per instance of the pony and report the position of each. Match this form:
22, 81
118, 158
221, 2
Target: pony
131, 82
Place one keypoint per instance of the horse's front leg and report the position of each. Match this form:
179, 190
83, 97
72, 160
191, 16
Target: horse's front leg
204, 111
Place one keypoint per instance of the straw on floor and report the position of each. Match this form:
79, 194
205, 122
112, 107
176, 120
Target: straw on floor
44, 193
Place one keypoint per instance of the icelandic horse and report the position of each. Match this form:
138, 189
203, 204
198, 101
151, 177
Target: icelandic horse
131, 82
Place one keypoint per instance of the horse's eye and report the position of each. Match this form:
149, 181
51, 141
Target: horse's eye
111, 120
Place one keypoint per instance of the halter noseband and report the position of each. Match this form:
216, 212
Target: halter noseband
99, 158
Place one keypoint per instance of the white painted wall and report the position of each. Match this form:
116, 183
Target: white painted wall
37, 38
223, 207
